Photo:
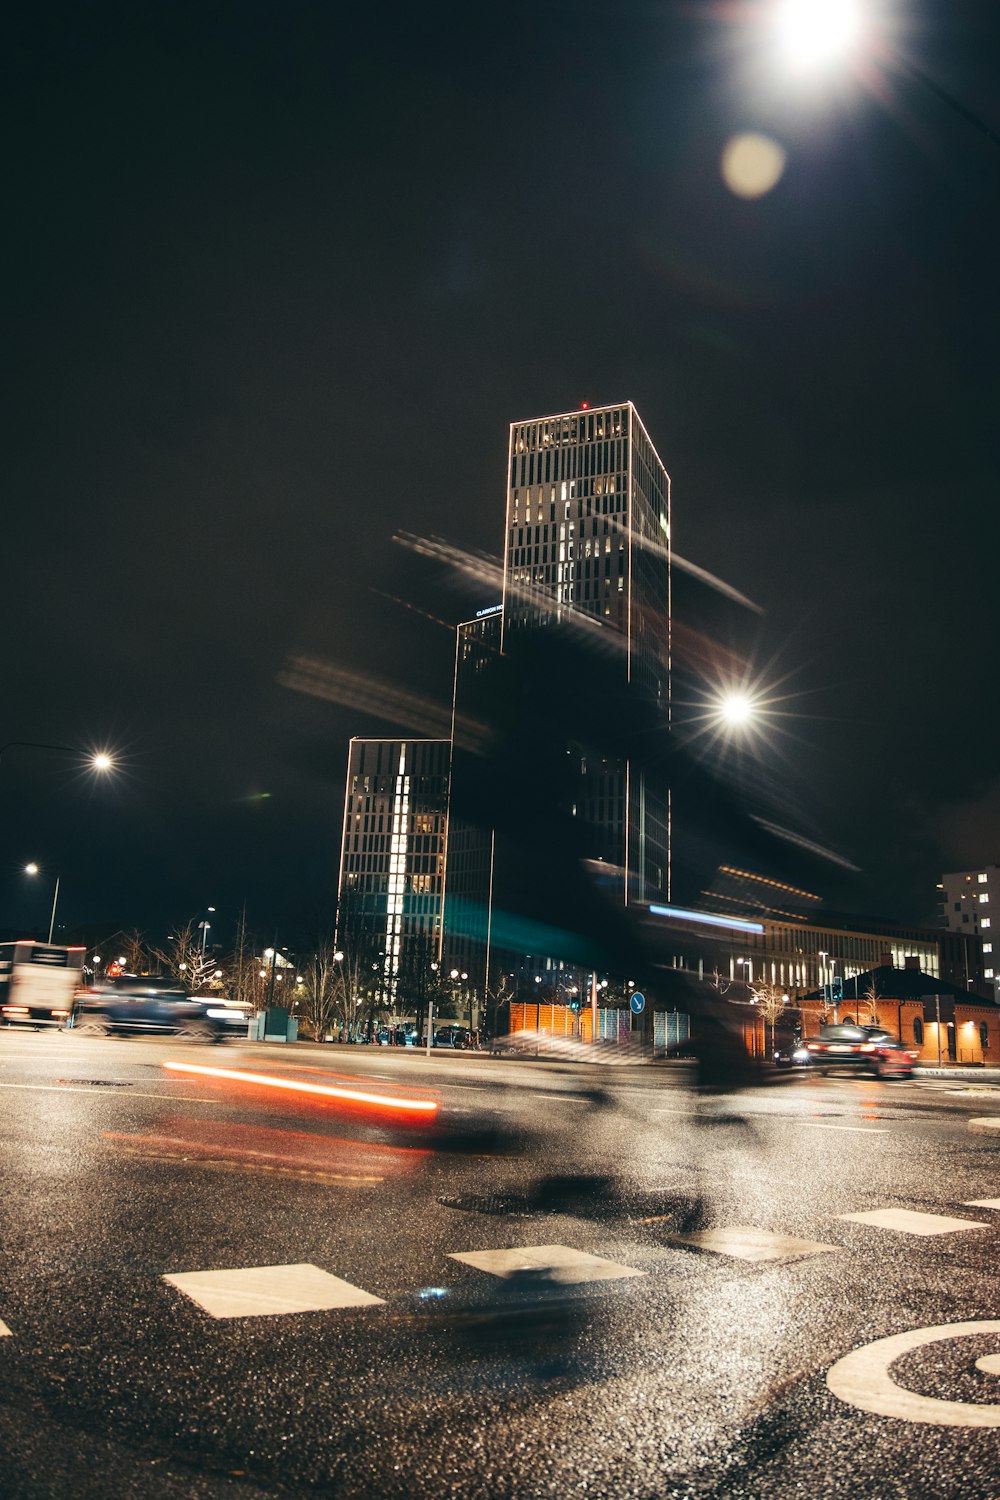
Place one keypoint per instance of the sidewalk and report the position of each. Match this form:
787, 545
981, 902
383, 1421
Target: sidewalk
955, 1070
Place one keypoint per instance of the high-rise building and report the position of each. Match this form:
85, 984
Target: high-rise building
469, 872
970, 899
393, 856
588, 532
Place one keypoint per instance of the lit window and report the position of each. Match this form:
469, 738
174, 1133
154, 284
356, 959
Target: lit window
982, 878
987, 947
985, 923
983, 899
988, 973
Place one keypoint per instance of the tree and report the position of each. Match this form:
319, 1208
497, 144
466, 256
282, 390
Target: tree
362, 966
869, 1005
418, 981
247, 971
187, 961
321, 994
770, 1000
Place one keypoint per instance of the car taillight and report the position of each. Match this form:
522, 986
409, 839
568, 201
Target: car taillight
868, 1047
60, 1012
812, 1047
15, 1010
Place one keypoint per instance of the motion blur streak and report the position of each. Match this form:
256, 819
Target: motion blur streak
351, 1096
366, 693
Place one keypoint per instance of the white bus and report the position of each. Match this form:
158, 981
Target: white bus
38, 983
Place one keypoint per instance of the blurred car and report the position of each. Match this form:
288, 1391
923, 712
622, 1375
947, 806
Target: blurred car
447, 1036
792, 1055
132, 1004
868, 1048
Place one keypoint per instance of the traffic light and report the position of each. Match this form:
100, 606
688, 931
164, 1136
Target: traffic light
838, 988
574, 1004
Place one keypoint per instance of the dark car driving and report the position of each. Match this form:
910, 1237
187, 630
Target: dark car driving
132, 1004
868, 1048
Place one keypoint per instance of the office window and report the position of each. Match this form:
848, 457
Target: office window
988, 973
987, 947
982, 878
958, 906
918, 1031
983, 898
985, 923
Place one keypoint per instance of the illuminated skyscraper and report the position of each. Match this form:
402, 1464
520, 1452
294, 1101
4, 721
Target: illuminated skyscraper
588, 531
392, 856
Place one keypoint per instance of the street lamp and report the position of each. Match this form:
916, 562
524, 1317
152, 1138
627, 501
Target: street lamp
812, 33
32, 869
97, 760
736, 709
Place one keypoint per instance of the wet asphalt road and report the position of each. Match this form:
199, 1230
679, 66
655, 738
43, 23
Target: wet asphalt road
684, 1370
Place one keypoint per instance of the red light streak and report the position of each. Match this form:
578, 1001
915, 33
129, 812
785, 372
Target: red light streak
292, 1085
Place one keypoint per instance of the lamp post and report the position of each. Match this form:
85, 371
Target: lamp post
98, 760
33, 869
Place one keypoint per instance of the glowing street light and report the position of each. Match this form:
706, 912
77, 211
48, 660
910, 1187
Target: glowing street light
812, 33
736, 709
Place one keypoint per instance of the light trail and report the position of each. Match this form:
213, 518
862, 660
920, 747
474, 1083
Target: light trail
294, 1086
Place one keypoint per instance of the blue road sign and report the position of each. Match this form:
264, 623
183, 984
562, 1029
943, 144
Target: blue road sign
637, 1002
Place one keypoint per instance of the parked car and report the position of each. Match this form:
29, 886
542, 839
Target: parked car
867, 1048
132, 1004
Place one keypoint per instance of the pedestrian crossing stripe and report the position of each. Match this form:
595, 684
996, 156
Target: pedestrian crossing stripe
753, 1244
906, 1221
5, 1332
261, 1291
563, 1263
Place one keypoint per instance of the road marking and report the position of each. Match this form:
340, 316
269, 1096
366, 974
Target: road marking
854, 1129
985, 1124
982, 1202
5, 1332
57, 1088
686, 1112
862, 1379
562, 1098
264, 1291
753, 1244
908, 1222
565, 1264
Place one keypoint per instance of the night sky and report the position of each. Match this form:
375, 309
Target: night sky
278, 278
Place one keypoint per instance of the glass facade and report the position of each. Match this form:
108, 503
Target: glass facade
588, 531
393, 853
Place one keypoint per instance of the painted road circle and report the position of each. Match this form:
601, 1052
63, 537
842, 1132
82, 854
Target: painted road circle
862, 1379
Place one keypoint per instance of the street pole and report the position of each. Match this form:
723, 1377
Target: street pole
430, 1024
937, 1007
52, 919
593, 1007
